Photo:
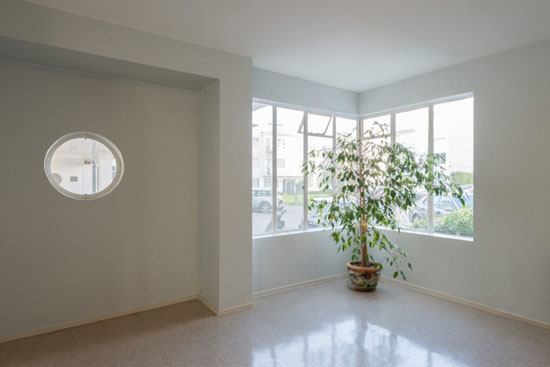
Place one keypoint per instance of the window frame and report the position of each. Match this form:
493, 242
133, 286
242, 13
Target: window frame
274, 172
84, 135
430, 105
359, 119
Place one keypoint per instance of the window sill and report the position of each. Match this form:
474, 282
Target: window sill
289, 233
406, 231
426, 234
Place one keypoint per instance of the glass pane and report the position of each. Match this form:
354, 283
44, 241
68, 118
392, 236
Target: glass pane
454, 141
319, 145
262, 158
319, 124
372, 125
290, 183
412, 131
345, 126
83, 166
376, 131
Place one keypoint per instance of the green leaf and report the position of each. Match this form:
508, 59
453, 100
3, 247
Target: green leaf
395, 274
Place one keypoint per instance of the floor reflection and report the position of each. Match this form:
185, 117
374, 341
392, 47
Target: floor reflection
352, 342
322, 325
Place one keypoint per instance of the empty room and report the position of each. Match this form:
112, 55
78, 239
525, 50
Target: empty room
253, 183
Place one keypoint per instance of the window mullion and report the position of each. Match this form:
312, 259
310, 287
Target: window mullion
274, 205
393, 133
333, 150
430, 151
305, 178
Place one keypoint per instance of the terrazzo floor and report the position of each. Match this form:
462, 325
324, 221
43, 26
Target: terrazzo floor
320, 325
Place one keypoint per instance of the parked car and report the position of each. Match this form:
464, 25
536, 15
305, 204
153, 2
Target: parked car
262, 200
442, 206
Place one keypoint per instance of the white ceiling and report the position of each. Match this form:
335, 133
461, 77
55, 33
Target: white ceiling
351, 44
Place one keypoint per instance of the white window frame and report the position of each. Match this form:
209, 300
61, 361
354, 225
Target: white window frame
274, 173
430, 105
359, 126
84, 135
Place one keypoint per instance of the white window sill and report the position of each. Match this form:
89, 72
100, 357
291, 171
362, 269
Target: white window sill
289, 233
438, 235
406, 231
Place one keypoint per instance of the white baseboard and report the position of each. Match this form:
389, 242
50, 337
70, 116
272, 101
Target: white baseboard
414, 288
273, 291
96, 319
125, 313
205, 303
225, 311
298, 285
464, 302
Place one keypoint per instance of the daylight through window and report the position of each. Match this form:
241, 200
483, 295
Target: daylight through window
283, 139
83, 165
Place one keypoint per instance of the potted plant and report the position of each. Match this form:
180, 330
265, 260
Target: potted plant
371, 181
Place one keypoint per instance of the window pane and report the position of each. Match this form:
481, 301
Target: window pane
412, 131
262, 142
372, 125
319, 124
83, 166
290, 183
376, 131
453, 140
319, 145
345, 126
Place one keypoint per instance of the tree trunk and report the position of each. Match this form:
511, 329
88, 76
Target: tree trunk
364, 252
362, 205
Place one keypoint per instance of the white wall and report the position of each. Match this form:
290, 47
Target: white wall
507, 266
209, 197
281, 88
293, 258
288, 259
64, 260
232, 254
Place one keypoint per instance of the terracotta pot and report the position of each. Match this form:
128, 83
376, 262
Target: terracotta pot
361, 278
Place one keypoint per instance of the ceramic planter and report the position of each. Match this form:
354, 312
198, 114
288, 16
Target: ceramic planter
362, 279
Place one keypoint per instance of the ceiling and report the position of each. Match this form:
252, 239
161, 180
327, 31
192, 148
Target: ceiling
351, 44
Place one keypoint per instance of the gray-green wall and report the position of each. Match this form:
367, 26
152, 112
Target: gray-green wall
64, 260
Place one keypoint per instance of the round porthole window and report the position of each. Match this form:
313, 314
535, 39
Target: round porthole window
84, 165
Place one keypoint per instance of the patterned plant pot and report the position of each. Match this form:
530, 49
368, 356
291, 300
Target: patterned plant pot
362, 279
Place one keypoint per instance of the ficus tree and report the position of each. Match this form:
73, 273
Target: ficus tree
371, 181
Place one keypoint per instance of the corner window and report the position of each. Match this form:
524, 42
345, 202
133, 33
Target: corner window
283, 138
84, 165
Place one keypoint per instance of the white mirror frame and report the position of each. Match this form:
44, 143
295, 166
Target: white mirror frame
85, 135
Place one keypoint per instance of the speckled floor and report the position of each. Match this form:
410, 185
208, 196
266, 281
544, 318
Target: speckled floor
321, 325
